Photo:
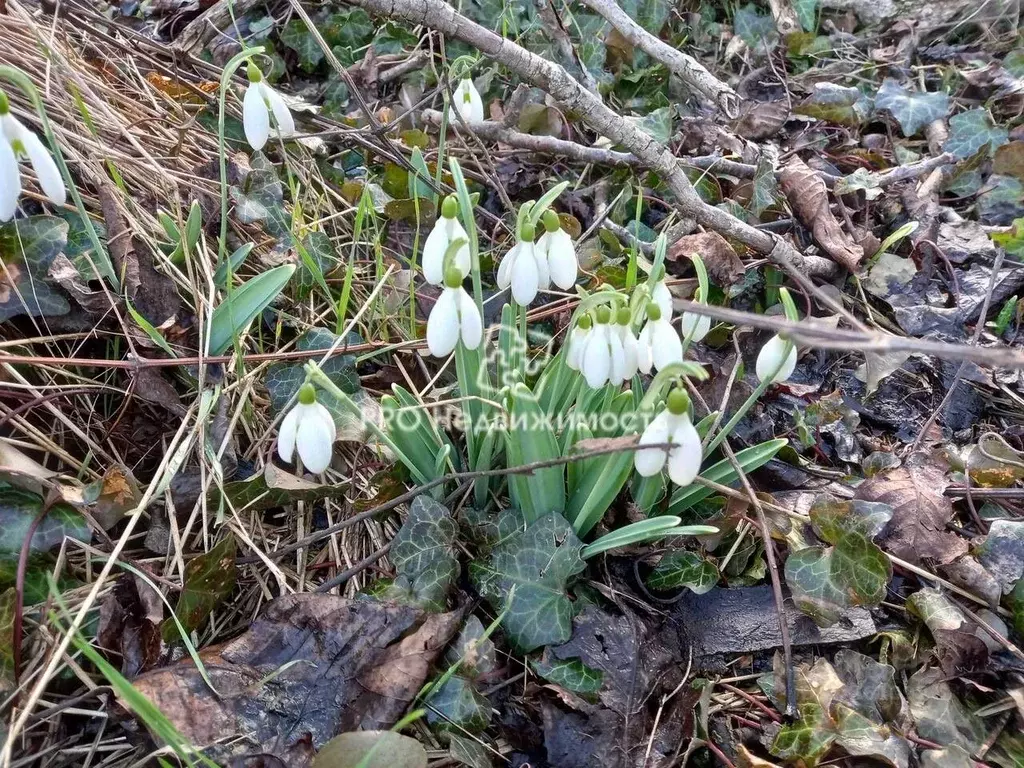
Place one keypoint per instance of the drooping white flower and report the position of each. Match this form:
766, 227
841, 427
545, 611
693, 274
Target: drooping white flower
658, 344
466, 100
672, 426
630, 353
695, 327
603, 357
771, 358
308, 427
577, 342
661, 296
522, 270
260, 102
447, 229
454, 316
18, 142
556, 250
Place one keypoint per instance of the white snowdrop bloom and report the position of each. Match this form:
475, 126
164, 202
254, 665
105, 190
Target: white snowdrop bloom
446, 231
259, 103
660, 295
308, 427
630, 355
603, 358
695, 327
454, 316
577, 341
466, 100
671, 426
770, 358
556, 250
522, 270
658, 344
18, 142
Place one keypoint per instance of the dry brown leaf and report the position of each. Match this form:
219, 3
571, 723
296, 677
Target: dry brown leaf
1009, 160
724, 266
311, 667
761, 120
808, 196
129, 624
917, 531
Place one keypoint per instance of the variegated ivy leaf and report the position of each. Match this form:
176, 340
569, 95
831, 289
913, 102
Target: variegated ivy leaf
683, 569
571, 674
423, 552
970, 131
913, 111
27, 248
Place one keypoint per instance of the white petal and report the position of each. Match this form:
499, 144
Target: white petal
644, 358
577, 341
770, 357
666, 346
694, 326
596, 360
617, 372
462, 257
313, 441
50, 180
661, 296
476, 104
443, 324
629, 350
10, 181
321, 412
11, 127
525, 280
470, 324
283, 120
649, 461
505, 268
562, 263
684, 459
540, 255
433, 253
286, 433
255, 117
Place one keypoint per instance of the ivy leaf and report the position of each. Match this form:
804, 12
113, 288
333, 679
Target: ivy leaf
468, 751
939, 715
834, 104
862, 737
351, 28
296, 36
320, 250
683, 569
27, 248
571, 674
260, 198
764, 186
473, 652
757, 29
424, 556
970, 131
284, 379
1002, 552
209, 579
869, 687
913, 111
457, 705
1001, 200
538, 562
825, 581
807, 13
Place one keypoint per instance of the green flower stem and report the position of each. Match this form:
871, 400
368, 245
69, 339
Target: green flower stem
314, 374
225, 80
748, 404
100, 255
666, 376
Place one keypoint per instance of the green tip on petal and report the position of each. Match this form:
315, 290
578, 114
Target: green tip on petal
653, 311
585, 323
551, 221
5, 105
623, 316
678, 402
453, 277
253, 72
450, 207
604, 315
528, 232
307, 394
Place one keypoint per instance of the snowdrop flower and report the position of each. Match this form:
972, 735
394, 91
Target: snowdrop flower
577, 341
453, 316
695, 326
603, 358
556, 250
658, 343
17, 141
522, 270
446, 231
260, 101
309, 427
672, 426
771, 358
624, 328
467, 102
661, 296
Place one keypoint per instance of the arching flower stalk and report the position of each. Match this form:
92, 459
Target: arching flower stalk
19, 143
671, 426
309, 428
446, 231
260, 102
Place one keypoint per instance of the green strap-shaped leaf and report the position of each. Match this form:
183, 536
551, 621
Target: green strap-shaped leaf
233, 316
530, 439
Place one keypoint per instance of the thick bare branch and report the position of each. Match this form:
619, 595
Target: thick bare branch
688, 69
